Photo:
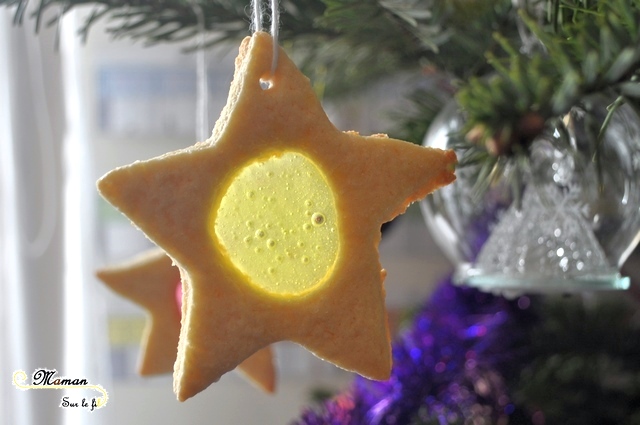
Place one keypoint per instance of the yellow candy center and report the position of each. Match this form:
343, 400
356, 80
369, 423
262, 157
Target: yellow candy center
278, 224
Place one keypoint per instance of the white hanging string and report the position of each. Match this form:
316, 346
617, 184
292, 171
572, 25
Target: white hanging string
202, 83
275, 25
257, 15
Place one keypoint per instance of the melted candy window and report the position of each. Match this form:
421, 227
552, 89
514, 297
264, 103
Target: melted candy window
277, 223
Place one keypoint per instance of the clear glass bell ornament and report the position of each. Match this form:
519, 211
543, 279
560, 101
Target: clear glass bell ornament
576, 218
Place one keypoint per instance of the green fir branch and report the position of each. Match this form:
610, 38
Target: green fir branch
595, 50
588, 49
346, 44
509, 87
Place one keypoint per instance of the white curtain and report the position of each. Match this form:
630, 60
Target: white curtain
48, 313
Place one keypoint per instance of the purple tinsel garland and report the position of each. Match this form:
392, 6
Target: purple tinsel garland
452, 366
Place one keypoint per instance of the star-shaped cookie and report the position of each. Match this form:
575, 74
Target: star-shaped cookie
275, 222
153, 282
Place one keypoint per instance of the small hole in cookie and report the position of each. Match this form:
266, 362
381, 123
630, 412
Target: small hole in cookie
265, 84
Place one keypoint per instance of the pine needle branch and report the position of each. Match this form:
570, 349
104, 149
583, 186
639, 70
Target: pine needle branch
378, 37
595, 49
